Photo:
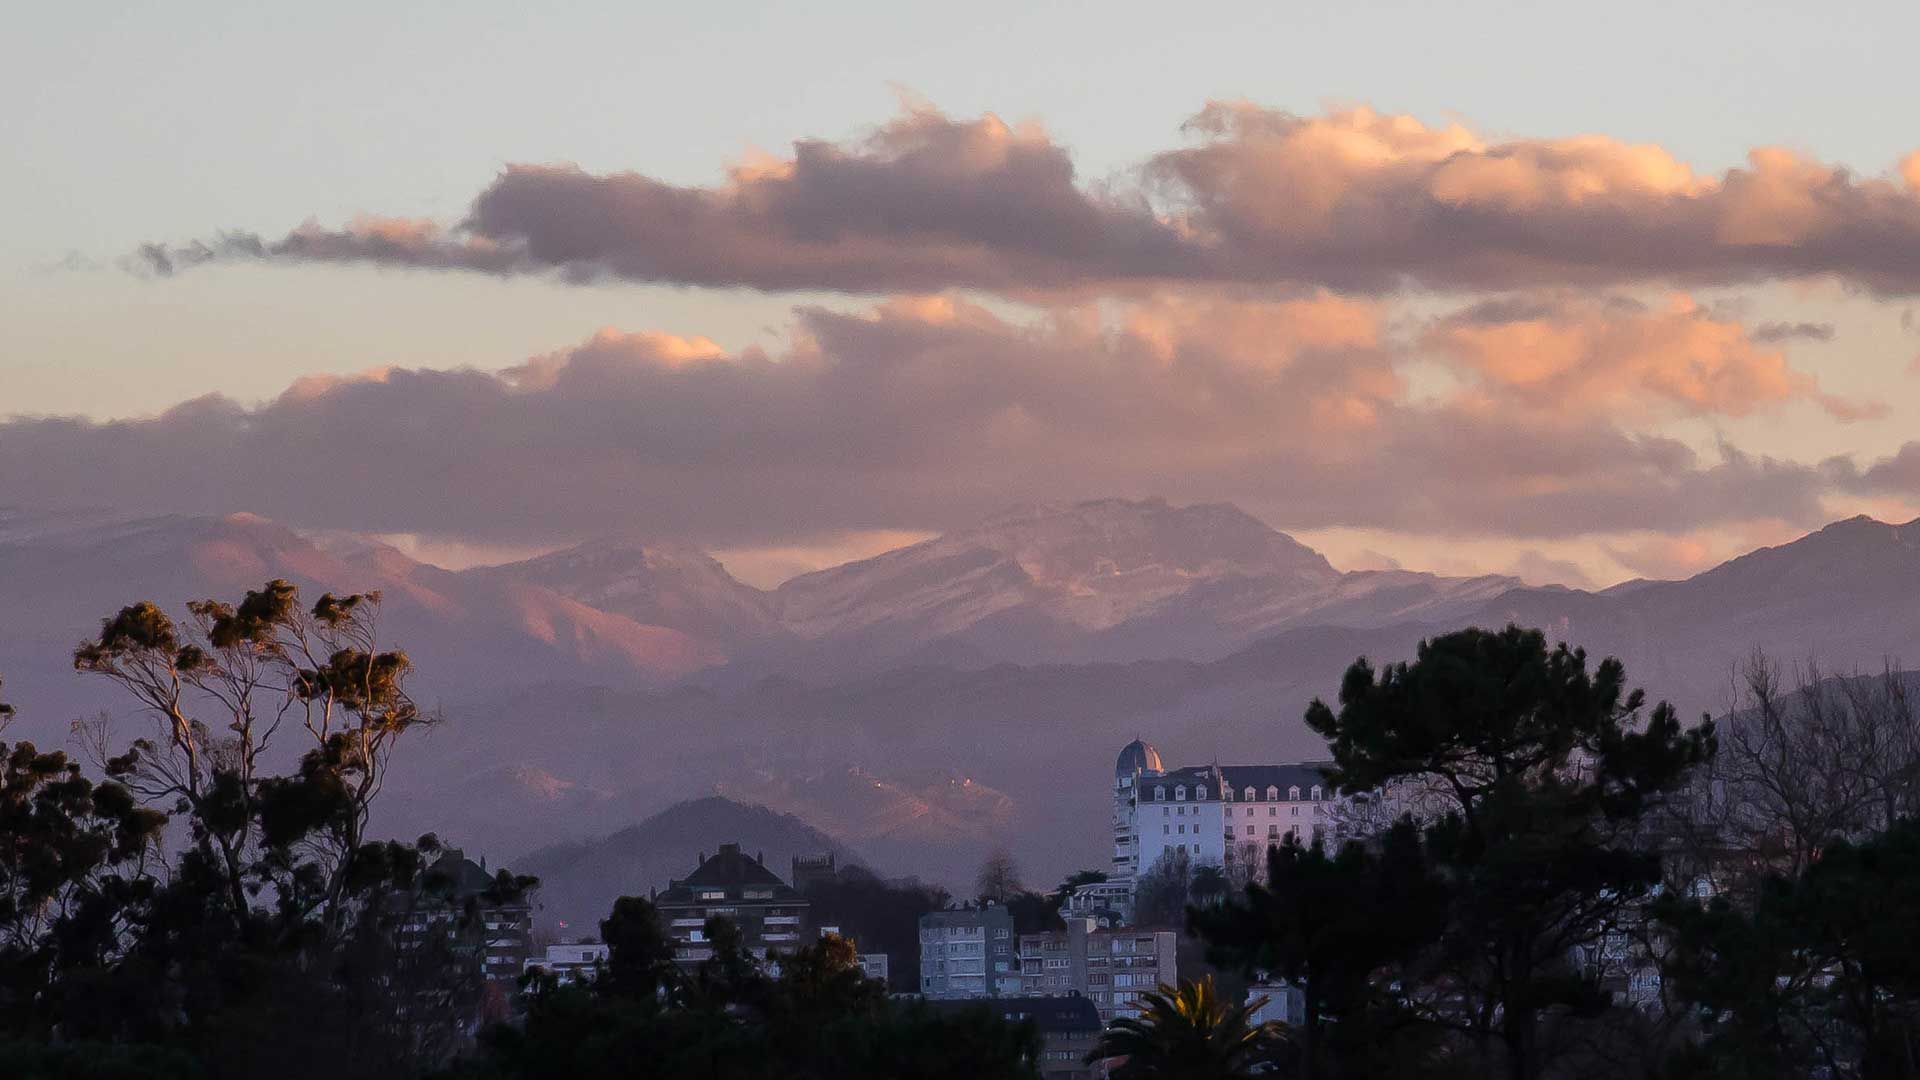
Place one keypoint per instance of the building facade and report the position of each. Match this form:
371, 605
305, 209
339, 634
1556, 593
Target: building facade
569, 963
733, 885
1110, 967
1216, 815
1069, 1029
968, 953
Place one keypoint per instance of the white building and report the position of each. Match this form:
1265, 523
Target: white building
569, 963
1280, 1002
1218, 815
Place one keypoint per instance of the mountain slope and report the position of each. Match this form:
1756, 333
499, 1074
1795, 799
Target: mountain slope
655, 583
1847, 595
59, 579
1048, 581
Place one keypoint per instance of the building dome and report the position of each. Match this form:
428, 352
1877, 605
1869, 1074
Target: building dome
1137, 756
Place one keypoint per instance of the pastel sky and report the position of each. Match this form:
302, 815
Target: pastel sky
1466, 287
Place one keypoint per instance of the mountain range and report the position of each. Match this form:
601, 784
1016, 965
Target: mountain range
927, 704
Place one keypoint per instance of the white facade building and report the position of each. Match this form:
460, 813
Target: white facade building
1218, 815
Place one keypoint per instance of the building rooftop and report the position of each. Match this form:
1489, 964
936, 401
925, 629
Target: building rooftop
1303, 775
733, 872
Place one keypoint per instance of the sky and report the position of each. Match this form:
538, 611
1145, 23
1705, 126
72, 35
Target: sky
1537, 289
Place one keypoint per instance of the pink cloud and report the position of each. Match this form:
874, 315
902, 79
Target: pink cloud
1356, 200
1574, 353
919, 413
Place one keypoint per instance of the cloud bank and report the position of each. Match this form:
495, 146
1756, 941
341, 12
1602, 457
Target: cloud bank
928, 412
1354, 200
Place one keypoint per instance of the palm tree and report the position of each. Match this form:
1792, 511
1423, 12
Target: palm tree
1189, 1033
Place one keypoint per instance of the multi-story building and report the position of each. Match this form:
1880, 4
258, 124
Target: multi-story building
733, 885
968, 953
1217, 815
1110, 967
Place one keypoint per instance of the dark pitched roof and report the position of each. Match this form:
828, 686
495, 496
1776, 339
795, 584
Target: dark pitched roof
1304, 774
731, 870
1239, 777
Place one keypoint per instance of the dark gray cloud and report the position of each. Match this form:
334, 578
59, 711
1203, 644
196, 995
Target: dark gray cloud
1354, 200
1772, 332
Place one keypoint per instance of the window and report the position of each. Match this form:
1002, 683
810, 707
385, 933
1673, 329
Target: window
1226, 794
1293, 793
714, 894
1249, 811
1159, 794
1167, 830
1248, 794
1273, 811
1316, 793
1273, 832
1249, 830
1183, 830
1272, 793
1179, 811
1200, 792
1180, 793
1296, 811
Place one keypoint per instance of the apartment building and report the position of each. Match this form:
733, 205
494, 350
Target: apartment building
1111, 967
968, 953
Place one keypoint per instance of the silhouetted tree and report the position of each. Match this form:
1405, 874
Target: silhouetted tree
1822, 974
1161, 894
267, 943
999, 879
1337, 928
1804, 760
219, 689
1541, 773
639, 965
880, 916
73, 858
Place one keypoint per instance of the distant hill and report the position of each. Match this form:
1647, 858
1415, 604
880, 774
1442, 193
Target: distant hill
579, 881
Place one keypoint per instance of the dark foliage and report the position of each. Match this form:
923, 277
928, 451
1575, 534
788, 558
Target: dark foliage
726, 1019
878, 916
